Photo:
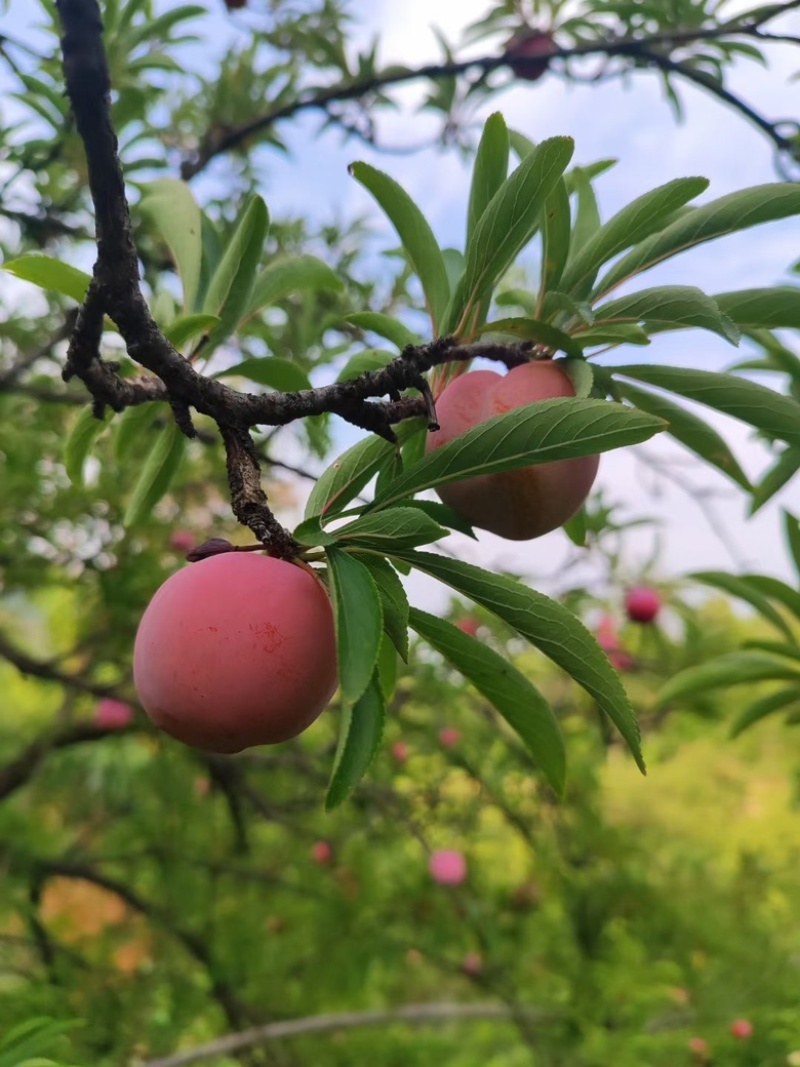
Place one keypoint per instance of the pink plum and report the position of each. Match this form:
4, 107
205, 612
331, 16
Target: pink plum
468, 626
236, 650
517, 504
400, 752
741, 1029
321, 853
182, 540
448, 867
472, 963
113, 714
534, 46
642, 604
449, 736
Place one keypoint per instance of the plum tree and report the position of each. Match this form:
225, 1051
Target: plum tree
517, 504
236, 650
642, 604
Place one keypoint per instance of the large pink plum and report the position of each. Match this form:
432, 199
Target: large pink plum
518, 504
236, 650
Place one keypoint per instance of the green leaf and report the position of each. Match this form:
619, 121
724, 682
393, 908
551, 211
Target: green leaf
762, 308
156, 476
415, 234
549, 626
186, 327
692, 432
174, 211
777, 590
669, 307
311, 533
443, 515
360, 735
489, 172
779, 474
577, 528
587, 216
348, 474
393, 600
782, 700
387, 667
507, 690
536, 433
742, 588
384, 326
791, 529
272, 371
394, 528
79, 443
231, 283
507, 225
359, 621
555, 238
637, 220
133, 425
735, 668
754, 404
623, 333
534, 330
367, 360
290, 275
728, 214
50, 274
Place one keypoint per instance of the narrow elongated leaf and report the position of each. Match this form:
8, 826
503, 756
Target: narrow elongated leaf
415, 234
360, 735
534, 330
507, 690
156, 476
728, 214
536, 433
50, 274
387, 668
489, 172
791, 529
232, 281
744, 589
273, 371
777, 590
369, 359
395, 527
173, 208
359, 621
587, 216
782, 700
754, 404
774, 648
133, 426
643, 216
444, 515
384, 326
549, 626
780, 474
735, 668
79, 443
290, 275
763, 308
393, 599
670, 307
507, 224
348, 474
692, 432
311, 533
556, 238
186, 327
621, 333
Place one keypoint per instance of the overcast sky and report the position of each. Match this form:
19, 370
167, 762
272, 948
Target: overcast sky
636, 126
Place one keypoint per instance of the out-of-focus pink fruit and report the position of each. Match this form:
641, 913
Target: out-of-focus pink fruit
642, 604
236, 650
621, 661
741, 1029
535, 47
182, 540
400, 752
448, 867
468, 626
113, 714
321, 853
472, 963
699, 1048
449, 736
606, 634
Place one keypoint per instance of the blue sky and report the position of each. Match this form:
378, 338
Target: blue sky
636, 126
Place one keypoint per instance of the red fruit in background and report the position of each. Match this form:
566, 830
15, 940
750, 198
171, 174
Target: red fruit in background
606, 634
234, 651
449, 736
234, 5
642, 604
182, 540
741, 1029
400, 752
621, 661
321, 853
472, 963
699, 1048
113, 714
533, 46
518, 504
468, 626
448, 867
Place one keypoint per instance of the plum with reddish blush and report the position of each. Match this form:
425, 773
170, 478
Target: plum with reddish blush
642, 604
113, 714
741, 1029
321, 853
534, 48
449, 737
448, 867
468, 626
